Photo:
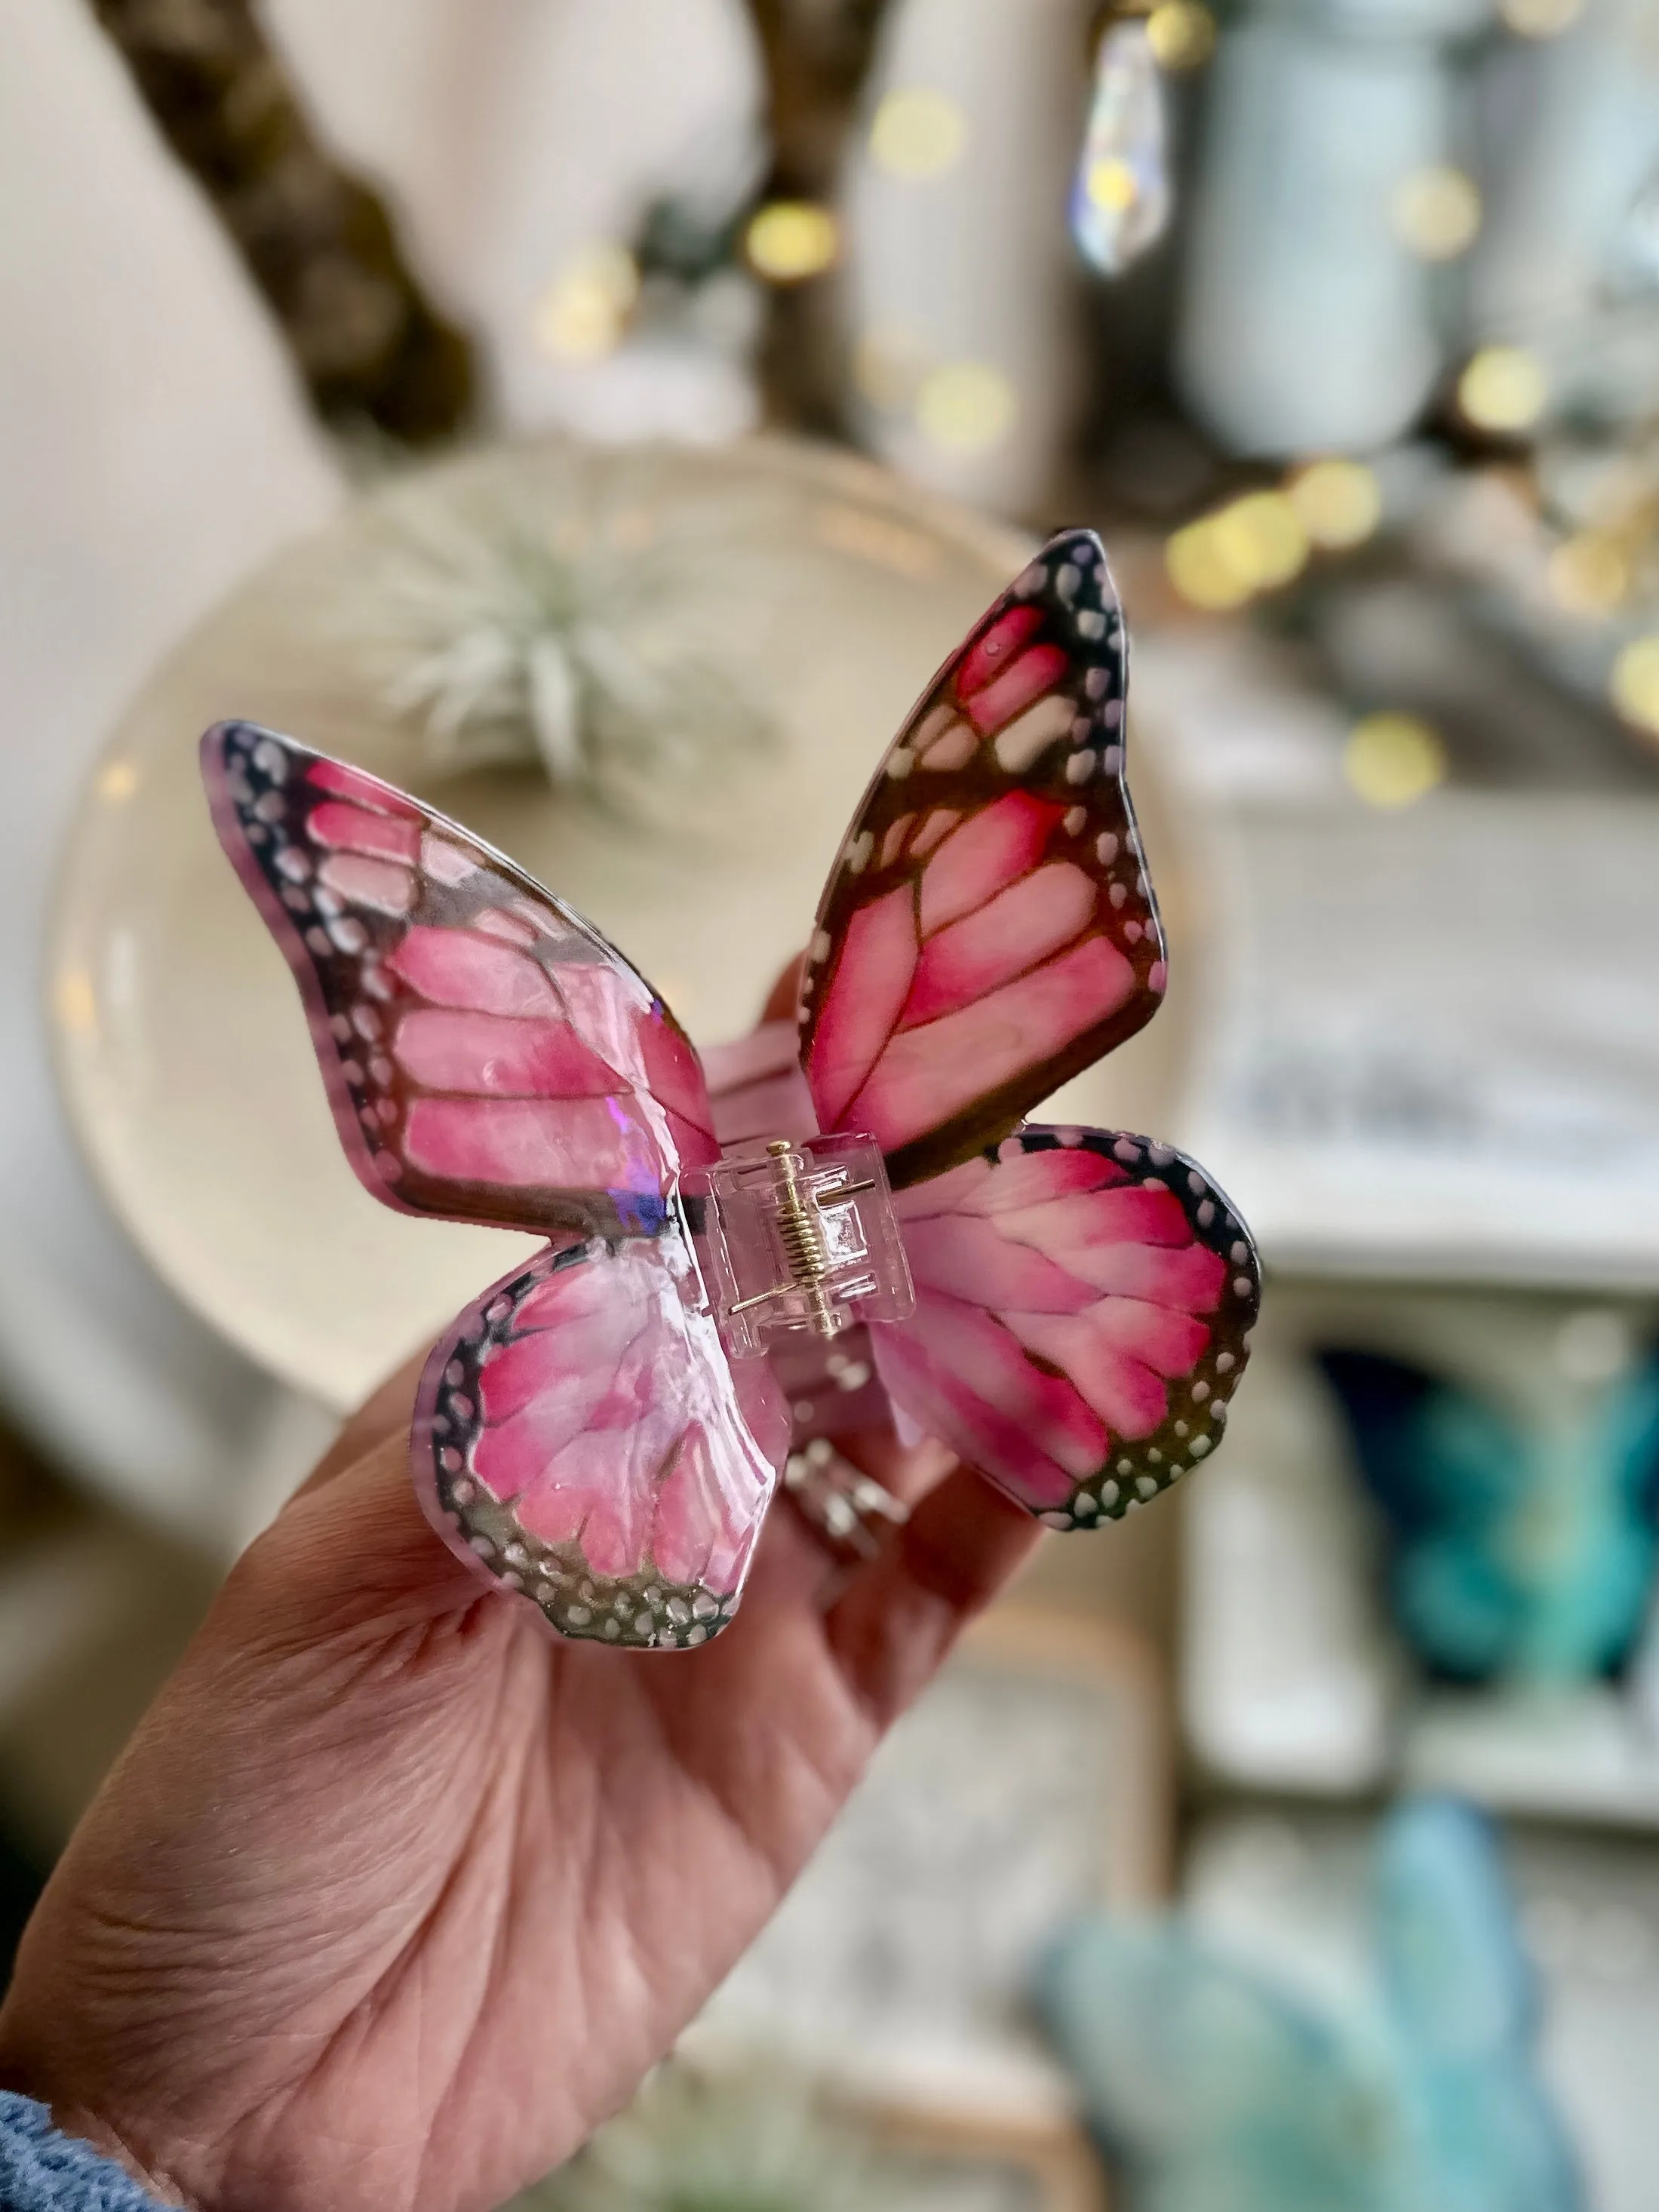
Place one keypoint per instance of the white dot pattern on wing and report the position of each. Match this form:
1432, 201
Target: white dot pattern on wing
1140, 1464
1067, 742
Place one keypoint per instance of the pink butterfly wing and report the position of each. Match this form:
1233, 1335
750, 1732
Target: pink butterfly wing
988, 930
1083, 1302
580, 1437
489, 1057
1084, 1299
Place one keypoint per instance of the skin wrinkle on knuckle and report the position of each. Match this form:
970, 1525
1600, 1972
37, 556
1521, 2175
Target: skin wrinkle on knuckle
882, 1676
934, 1563
286, 1604
818, 1785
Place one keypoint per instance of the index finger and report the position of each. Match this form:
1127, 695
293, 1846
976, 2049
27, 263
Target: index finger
899, 1615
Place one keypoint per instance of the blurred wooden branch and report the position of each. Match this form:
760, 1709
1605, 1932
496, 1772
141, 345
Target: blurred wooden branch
317, 240
816, 55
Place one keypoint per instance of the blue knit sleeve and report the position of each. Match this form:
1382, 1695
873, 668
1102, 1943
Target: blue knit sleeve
42, 2170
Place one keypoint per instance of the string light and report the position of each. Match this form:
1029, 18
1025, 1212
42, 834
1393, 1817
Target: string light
966, 406
1635, 684
1182, 34
1541, 19
1502, 388
789, 240
585, 312
1261, 539
1437, 212
1200, 570
1393, 760
1339, 503
918, 132
1589, 575
1252, 545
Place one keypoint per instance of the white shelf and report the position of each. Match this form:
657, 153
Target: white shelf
1293, 1680
1432, 1043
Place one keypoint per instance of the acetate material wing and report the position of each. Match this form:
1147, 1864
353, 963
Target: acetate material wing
1221, 2088
988, 930
1465, 1487
488, 1055
1082, 1306
1222, 2091
581, 1435
1463, 2000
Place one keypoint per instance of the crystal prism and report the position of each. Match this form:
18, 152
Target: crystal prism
1121, 196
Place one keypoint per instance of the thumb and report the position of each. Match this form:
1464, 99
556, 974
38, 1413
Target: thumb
350, 1553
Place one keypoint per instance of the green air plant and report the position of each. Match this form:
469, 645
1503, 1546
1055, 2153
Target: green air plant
550, 617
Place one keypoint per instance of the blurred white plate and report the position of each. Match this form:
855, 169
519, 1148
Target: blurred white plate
180, 1041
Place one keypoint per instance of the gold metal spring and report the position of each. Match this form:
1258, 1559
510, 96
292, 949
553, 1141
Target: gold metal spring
802, 1240
797, 1216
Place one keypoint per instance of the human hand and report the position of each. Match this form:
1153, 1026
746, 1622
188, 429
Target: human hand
391, 1900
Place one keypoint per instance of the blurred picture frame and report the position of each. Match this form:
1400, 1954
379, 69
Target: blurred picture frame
967, 2165
1032, 1782
746, 2131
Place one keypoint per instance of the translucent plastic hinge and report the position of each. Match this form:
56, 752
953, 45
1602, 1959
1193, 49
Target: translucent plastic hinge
803, 1237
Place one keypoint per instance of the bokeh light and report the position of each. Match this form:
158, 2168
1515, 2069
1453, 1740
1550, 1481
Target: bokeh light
1339, 503
75, 1003
1200, 570
1437, 212
1393, 760
1589, 575
1182, 34
789, 240
116, 782
1252, 545
1261, 538
1541, 19
966, 406
1635, 685
584, 311
1502, 388
918, 132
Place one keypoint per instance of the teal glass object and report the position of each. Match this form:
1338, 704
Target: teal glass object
1518, 1553
1214, 2089
1463, 2007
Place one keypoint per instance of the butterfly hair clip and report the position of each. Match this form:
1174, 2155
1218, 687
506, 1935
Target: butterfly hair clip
840, 1219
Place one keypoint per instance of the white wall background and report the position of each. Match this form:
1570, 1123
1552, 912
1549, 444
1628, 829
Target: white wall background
153, 447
